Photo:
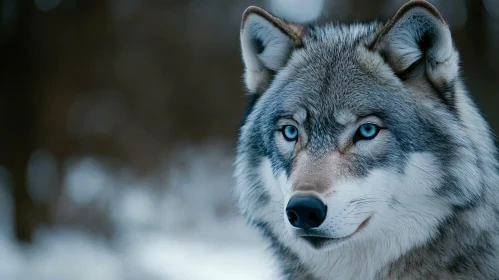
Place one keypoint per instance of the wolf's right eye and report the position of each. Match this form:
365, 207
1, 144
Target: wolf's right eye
290, 133
366, 132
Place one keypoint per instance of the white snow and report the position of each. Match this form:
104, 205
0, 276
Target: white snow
186, 229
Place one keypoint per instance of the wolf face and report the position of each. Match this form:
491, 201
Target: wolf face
355, 137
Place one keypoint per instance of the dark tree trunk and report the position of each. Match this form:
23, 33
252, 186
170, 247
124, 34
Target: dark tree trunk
17, 114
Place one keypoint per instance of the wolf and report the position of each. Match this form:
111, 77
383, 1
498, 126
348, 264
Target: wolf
362, 155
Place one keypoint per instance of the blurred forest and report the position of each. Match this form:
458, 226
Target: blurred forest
124, 87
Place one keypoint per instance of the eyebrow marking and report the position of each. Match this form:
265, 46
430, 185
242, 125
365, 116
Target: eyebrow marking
344, 117
301, 115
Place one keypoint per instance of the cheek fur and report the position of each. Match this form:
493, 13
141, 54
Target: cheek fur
286, 148
277, 185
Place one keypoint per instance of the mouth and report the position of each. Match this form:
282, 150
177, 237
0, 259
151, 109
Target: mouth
321, 241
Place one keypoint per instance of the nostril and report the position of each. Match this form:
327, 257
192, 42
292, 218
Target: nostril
292, 217
313, 216
317, 215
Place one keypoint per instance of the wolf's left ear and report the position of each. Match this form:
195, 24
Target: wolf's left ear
267, 43
419, 34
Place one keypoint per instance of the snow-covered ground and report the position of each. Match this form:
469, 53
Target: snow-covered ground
186, 230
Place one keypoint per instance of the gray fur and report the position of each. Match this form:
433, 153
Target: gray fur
336, 69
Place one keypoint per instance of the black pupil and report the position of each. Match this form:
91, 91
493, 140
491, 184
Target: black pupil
291, 132
368, 129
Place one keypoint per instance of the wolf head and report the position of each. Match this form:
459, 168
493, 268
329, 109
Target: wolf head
356, 133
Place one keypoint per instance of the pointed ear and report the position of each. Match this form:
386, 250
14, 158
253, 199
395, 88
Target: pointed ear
266, 43
418, 35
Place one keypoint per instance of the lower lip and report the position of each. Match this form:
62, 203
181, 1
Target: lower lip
321, 242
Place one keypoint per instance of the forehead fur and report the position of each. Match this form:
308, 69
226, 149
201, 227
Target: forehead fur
334, 71
342, 34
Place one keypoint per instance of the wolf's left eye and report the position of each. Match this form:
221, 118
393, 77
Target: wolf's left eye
290, 132
367, 132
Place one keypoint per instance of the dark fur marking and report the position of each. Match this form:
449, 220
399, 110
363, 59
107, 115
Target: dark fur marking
407, 73
258, 45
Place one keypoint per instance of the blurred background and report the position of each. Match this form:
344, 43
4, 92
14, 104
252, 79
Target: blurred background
118, 121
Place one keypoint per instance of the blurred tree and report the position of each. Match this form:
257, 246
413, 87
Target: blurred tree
18, 116
472, 43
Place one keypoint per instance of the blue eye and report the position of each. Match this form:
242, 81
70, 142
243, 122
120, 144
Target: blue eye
290, 132
367, 131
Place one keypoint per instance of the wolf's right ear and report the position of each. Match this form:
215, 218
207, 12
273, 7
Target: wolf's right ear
266, 43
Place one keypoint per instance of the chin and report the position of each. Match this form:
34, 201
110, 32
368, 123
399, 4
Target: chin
321, 241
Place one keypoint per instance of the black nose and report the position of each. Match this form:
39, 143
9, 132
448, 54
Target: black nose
306, 211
